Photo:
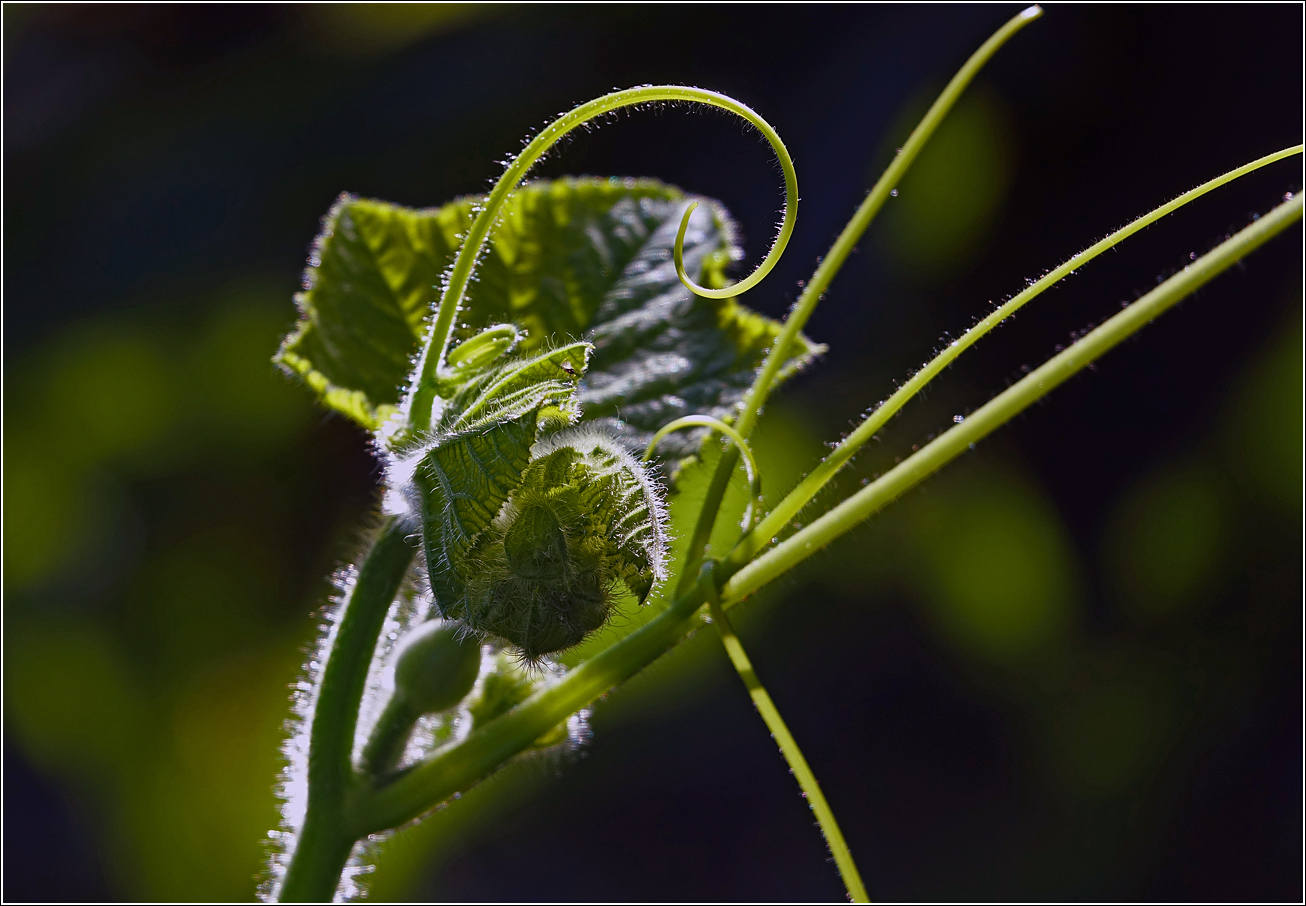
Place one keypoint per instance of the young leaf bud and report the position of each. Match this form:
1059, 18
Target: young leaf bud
529, 541
484, 348
584, 522
436, 666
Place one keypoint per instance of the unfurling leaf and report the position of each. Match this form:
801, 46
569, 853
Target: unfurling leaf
583, 523
528, 541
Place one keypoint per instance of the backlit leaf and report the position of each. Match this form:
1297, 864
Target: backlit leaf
570, 259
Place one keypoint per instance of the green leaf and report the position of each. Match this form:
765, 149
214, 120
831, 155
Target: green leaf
570, 259
584, 522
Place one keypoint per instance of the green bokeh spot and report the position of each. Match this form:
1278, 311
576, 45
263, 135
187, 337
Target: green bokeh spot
1166, 542
949, 201
1110, 733
995, 565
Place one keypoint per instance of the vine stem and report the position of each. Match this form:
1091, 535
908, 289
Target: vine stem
430, 364
774, 521
326, 837
825, 273
843, 857
461, 765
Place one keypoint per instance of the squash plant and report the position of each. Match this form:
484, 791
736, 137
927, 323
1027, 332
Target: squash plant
539, 369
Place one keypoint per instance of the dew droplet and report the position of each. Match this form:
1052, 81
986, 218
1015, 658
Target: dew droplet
893, 192
958, 419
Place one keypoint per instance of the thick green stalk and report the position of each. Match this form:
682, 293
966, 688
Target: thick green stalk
774, 522
430, 365
825, 274
325, 839
459, 766
843, 857
1037, 384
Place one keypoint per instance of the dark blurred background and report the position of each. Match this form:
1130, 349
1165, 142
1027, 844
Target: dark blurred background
1068, 667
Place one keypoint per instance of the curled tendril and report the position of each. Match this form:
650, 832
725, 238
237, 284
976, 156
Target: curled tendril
431, 364
750, 464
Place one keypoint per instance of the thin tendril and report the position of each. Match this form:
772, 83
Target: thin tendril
843, 858
1003, 407
829, 267
750, 464
430, 366
810, 486
735, 289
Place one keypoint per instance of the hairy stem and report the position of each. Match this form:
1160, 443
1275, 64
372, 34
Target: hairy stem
825, 274
430, 365
463, 764
325, 839
774, 522
798, 766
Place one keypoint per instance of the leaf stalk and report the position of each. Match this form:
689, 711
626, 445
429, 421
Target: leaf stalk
1034, 386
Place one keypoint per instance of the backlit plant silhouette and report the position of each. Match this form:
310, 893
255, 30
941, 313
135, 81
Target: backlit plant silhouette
577, 324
